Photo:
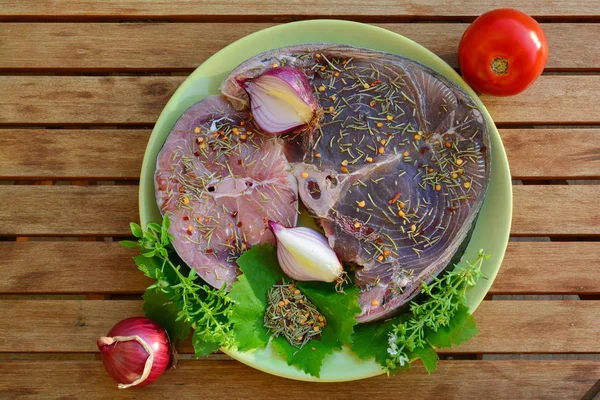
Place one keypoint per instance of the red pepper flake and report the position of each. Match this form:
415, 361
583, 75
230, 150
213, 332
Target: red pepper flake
239, 224
209, 251
395, 199
186, 218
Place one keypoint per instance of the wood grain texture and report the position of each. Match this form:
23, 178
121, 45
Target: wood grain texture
49, 100
542, 210
549, 267
107, 267
107, 210
67, 210
166, 47
273, 8
69, 267
117, 154
225, 380
91, 154
72, 154
505, 326
543, 153
84, 99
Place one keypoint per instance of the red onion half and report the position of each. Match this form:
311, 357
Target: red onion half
281, 99
136, 352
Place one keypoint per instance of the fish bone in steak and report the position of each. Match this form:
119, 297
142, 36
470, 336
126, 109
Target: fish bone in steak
398, 170
220, 180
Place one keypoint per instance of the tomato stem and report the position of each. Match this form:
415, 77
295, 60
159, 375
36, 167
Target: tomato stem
500, 66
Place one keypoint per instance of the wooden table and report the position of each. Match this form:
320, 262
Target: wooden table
81, 85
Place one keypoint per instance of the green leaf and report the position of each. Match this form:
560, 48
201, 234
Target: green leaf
148, 265
129, 244
371, 340
204, 345
260, 272
160, 309
136, 230
339, 309
460, 329
306, 359
428, 355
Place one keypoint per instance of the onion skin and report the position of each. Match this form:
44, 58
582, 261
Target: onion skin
136, 347
304, 254
282, 100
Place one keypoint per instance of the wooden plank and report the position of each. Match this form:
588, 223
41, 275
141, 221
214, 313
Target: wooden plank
563, 96
505, 326
69, 267
553, 99
541, 153
107, 210
67, 210
550, 267
50, 100
203, 9
166, 47
72, 154
556, 210
107, 267
224, 380
99, 154
84, 99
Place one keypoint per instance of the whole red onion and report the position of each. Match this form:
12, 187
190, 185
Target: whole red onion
136, 352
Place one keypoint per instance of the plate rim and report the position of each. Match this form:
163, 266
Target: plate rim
256, 359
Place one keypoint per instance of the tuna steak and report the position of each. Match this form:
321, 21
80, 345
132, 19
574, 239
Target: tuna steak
219, 180
397, 171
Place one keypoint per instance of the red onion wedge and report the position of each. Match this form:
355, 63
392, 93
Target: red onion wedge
281, 100
136, 352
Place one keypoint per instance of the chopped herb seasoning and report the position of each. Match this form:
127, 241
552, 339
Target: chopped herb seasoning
291, 314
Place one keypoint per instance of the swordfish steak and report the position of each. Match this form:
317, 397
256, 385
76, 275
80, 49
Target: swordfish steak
220, 181
397, 169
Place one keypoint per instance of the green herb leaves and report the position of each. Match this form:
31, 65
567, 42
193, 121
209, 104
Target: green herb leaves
441, 320
260, 272
179, 299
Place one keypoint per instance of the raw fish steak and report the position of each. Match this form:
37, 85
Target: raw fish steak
397, 170
220, 181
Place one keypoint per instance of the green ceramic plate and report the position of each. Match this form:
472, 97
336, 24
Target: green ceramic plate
493, 226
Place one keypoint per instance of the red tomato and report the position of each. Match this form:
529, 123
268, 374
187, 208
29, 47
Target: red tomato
502, 52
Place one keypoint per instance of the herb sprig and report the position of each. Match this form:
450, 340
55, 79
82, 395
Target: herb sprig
197, 305
441, 320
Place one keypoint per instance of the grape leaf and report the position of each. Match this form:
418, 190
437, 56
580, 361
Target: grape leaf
460, 329
260, 272
306, 359
427, 355
339, 309
160, 309
371, 340
204, 346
